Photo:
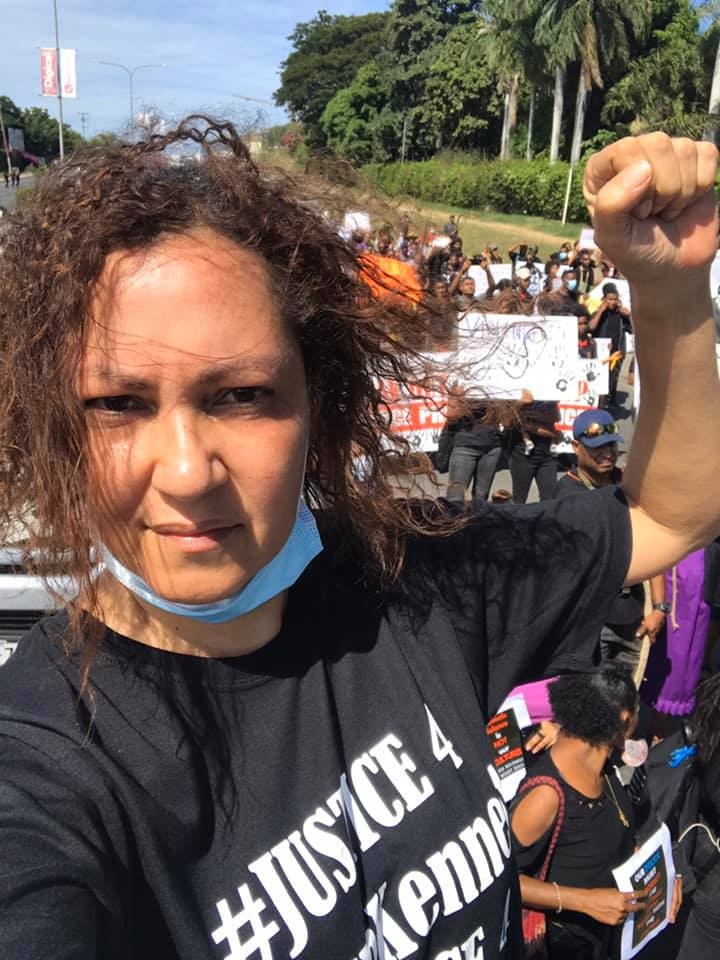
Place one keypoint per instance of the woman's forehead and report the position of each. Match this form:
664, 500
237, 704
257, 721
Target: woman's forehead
190, 296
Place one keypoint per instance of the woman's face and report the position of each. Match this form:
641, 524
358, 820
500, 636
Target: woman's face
197, 416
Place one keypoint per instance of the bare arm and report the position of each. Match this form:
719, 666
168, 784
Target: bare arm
531, 819
460, 275
654, 211
597, 317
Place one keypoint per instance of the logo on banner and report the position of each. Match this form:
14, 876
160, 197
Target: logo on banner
48, 72
68, 75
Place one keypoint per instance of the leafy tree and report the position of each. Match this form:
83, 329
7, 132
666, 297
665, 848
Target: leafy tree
595, 33
666, 88
351, 119
42, 133
327, 53
462, 101
415, 31
105, 139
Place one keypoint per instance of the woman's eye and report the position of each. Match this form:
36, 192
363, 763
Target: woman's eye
243, 397
119, 404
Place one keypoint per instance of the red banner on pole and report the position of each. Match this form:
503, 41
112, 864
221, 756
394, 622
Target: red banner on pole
48, 72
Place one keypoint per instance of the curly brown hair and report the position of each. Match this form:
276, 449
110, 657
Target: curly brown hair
129, 197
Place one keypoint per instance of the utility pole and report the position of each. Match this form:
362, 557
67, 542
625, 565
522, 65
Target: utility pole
83, 121
59, 82
6, 146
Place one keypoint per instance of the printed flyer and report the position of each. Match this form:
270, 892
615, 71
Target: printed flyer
650, 870
506, 744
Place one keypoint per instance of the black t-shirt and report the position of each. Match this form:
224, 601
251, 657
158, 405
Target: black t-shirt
473, 432
329, 790
612, 326
629, 605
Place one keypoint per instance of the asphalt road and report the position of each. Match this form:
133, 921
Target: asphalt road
8, 195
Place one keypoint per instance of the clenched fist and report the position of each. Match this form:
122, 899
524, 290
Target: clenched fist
652, 201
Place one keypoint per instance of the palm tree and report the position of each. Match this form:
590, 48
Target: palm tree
590, 31
505, 35
711, 9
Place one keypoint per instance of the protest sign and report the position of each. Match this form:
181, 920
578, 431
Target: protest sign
356, 221
500, 271
587, 239
504, 354
506, 744
651, 871
417, 412
591, 384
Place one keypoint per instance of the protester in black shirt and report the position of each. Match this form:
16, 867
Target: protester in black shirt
586, 271
612, 320
230, 744
595, 442
476, 449
530, 454
596, 713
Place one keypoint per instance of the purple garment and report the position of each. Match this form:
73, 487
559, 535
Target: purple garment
537, 698
676, 658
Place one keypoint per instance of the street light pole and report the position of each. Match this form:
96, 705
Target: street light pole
131, 73
59, 82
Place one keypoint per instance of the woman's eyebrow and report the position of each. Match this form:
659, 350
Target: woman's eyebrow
216, 373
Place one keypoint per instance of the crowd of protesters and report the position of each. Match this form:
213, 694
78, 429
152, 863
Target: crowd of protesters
658, 679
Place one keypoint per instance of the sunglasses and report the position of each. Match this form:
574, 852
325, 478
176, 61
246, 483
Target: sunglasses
599, 429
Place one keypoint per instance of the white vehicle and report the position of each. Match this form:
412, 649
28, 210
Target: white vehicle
24, 599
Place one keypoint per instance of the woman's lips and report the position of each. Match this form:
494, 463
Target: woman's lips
195, 539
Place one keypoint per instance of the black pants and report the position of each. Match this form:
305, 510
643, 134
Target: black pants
540, 465
701, 938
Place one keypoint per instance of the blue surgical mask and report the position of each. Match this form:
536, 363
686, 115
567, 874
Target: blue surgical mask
285, 568
572, 284
562, 255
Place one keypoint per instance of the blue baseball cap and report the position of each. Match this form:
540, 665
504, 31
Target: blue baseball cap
596, 428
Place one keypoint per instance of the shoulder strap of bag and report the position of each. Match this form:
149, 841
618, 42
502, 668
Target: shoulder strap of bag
548, 782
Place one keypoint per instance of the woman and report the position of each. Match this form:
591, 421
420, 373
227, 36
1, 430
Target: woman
247, 738
596, 713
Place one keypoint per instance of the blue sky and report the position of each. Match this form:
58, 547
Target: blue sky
211, 49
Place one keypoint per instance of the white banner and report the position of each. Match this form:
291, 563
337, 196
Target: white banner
68, 74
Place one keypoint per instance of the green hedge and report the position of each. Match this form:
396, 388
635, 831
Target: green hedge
532, 187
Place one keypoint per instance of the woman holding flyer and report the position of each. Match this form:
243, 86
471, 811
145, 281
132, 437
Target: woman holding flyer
575, 823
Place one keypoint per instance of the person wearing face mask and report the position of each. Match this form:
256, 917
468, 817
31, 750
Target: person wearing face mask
595, 444
254, 731
564, 254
